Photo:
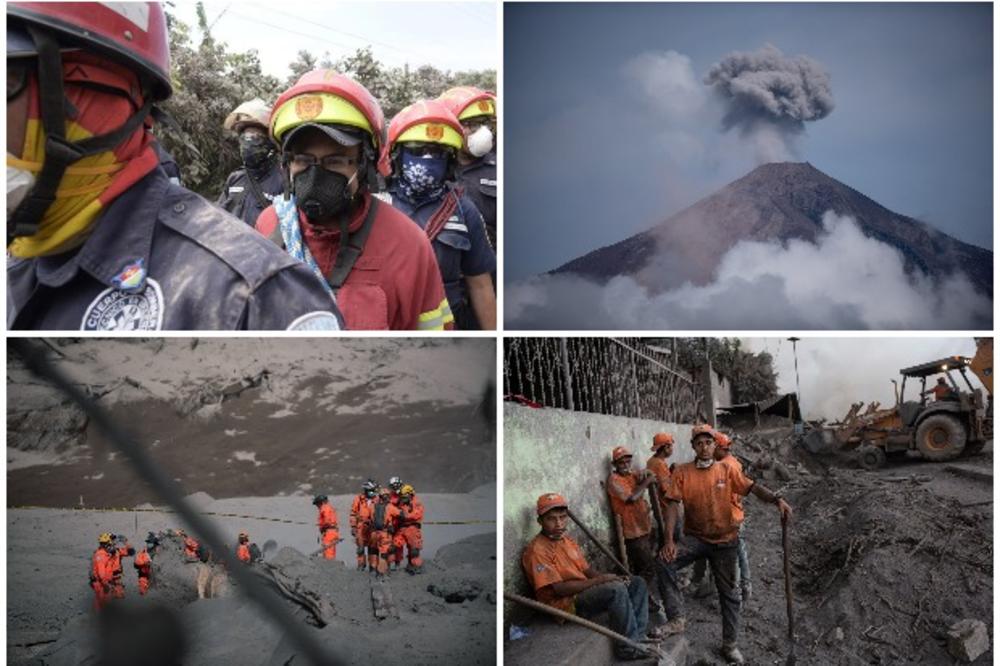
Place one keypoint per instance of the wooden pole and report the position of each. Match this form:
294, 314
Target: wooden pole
604, 549
576, 619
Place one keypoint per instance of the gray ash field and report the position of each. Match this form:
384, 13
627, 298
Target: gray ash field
253, 430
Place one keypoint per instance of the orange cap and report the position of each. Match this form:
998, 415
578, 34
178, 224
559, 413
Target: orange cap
701, 429
722, 439
620, 452
550, 501
661, 439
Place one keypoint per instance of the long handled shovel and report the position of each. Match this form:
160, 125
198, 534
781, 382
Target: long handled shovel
790, 661
597, 542
651, 650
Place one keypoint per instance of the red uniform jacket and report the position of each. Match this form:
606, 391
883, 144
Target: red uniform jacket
395, 283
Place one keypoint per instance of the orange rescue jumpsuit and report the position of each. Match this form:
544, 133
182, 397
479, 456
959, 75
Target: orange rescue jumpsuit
380, 519
106, 575
358, 528
144, 569
327, 522
243, 552
408, 534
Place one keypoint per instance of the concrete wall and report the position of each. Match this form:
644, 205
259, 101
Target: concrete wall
556, 450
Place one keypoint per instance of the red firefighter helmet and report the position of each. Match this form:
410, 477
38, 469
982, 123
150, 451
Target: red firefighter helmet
427, 121
132, 33
325, 97
469, 102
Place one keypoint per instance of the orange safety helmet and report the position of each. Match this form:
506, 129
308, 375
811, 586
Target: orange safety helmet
722, 439
550, 501
133, 34
426, 121
661, 439
620, 452
469, 102
325, 97
702, 429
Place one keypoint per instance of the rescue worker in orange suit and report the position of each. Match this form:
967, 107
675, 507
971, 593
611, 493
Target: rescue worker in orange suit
561, 577
380, 521
329, 532
627, 489
98, 238
369, 490
143, 562
706, 488
106, 569
663, 448
411, 513
247, 552
395, 485
190, 547
723, 455
424, 141
375, 260
476, 109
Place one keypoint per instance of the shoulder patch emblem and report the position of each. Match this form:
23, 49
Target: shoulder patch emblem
320, 320
539, 568
132, 278
117, 310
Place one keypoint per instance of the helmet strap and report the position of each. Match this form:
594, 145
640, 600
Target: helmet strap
59, 153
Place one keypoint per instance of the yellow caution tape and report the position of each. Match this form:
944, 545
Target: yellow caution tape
233, 515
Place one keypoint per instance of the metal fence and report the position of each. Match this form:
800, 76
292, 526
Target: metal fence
615, 376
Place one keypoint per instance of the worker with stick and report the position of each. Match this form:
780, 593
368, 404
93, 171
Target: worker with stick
562, 578
626, 488
706, 489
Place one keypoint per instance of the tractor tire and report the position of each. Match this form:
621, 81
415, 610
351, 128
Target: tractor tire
871, 457
940, 437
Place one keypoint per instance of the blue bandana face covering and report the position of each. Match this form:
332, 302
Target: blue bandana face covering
422, 177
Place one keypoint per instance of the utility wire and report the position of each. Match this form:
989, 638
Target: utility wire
171, 493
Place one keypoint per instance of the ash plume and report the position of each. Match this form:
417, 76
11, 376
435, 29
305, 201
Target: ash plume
768, 97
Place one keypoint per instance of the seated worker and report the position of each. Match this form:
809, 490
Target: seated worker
941, 391
561, 577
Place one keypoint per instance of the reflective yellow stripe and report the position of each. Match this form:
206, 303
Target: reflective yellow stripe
436, 319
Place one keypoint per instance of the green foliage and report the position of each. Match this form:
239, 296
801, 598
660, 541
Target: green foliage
210, 81
751, 375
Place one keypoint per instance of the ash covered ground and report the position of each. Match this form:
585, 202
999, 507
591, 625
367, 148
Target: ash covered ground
255, 428
882, 562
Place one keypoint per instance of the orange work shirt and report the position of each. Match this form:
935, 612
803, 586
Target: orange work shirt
635, 515
547, 561
733, 461
707, 498
660, 469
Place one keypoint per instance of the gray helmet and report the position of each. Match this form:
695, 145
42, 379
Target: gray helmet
319, 499
395, 483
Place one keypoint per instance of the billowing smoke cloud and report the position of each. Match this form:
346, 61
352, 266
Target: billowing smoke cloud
769, 97
844, 281
836, 372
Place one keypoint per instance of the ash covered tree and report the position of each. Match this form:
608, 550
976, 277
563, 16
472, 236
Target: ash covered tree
751, 375
209, 82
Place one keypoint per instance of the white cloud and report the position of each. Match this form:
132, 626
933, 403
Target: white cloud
842, 281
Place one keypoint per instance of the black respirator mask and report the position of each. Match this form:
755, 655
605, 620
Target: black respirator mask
255, 150
321, 193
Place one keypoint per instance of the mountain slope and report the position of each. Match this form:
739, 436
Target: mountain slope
774, 202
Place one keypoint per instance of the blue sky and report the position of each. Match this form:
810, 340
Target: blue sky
585, 163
